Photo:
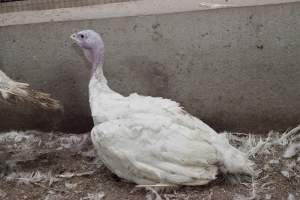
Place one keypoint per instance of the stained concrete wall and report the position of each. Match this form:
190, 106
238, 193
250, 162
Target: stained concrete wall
235, 68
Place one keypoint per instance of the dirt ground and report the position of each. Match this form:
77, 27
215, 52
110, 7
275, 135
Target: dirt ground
56, 166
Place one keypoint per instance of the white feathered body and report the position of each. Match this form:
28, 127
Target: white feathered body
150, 140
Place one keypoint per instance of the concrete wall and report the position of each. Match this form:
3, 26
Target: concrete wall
235, 68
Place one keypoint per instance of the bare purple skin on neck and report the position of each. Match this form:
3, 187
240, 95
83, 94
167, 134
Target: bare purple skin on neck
97, 58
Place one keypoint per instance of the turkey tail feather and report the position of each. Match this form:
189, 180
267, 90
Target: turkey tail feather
232, 160
22, 92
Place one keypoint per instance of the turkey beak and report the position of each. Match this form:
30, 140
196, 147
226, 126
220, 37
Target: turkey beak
74, 37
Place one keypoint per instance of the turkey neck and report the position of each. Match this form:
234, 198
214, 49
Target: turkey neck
97, 73
97, 57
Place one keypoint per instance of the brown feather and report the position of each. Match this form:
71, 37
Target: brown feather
13, 91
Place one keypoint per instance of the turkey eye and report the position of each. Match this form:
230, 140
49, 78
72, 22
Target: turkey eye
82, 36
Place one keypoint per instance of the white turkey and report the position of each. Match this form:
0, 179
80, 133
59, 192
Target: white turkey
151, 140
12, 90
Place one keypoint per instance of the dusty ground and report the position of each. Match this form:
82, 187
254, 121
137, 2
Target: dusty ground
55, 166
